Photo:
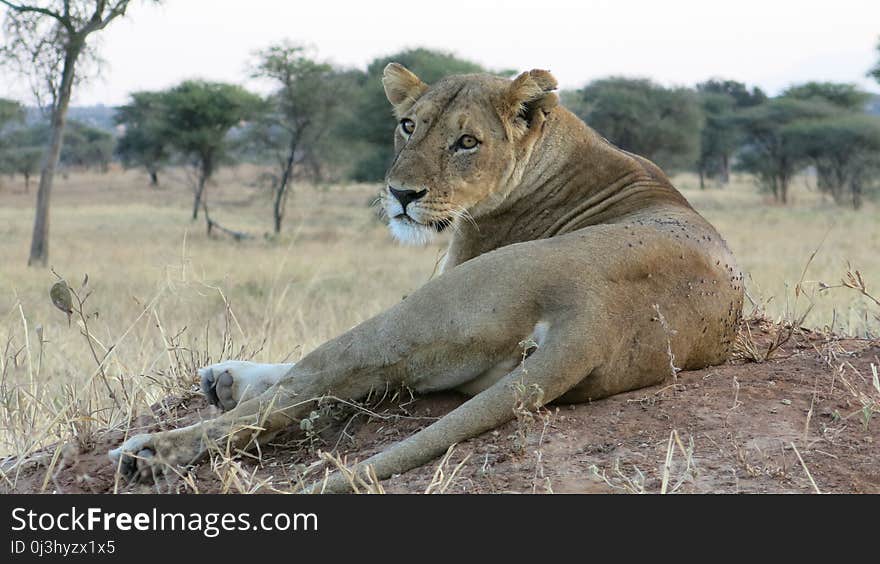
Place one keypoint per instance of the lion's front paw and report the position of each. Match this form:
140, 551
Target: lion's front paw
136, 459
145, 457
229, 383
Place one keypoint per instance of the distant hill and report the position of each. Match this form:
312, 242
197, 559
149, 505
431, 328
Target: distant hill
99, 117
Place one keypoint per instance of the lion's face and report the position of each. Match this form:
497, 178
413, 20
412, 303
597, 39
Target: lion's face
458, 144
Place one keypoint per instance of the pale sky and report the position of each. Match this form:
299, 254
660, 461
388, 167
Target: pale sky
768, 43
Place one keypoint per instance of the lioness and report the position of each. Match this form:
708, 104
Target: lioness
560, 240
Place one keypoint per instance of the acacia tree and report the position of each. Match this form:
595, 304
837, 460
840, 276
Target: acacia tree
768, 152
48, 41
10, 111
638, 115
197, 118
20, 147
720, 137
87, 147
84, 147
22, 160
300, 113
144, 142
845, 149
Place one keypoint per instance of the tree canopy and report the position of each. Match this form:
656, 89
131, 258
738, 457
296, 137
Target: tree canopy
640, 116
843, 96
10, 111
739, 92
144, 141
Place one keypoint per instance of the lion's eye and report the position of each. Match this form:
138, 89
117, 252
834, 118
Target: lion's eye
407, 126
467, 142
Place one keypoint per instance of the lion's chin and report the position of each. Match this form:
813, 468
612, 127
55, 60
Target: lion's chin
408, 232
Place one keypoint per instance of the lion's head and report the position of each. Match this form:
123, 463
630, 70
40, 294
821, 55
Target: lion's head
460, 144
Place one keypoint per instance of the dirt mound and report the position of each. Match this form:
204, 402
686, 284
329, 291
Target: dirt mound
798, 422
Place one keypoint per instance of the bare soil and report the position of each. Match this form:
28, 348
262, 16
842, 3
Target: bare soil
796, 423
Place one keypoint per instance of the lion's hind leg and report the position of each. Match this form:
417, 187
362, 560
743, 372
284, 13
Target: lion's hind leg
551, 371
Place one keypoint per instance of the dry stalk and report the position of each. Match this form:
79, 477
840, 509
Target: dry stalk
441, 481
368, 484
668, 332
807, 470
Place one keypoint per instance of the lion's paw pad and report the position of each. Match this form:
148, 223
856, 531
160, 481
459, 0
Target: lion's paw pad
227, 384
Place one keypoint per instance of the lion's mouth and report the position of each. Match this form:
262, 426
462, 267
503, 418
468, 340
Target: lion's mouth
438, 225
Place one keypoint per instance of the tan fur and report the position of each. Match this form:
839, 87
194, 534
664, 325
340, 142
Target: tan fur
559, 237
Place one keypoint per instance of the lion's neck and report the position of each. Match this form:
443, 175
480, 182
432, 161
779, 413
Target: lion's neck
574, 179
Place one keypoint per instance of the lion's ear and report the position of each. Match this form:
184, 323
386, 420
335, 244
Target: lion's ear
530, 93
402, 87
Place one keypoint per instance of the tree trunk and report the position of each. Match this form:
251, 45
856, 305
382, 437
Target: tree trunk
281, 191
204, 174
39, 255
725, 170
702, 174
783, 189
197, 197
840, 182
837, 193
27, 182
154, 178
855, 187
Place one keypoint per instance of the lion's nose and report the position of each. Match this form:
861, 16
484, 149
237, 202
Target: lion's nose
406, 196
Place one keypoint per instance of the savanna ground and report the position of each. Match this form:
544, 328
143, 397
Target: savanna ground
793, 412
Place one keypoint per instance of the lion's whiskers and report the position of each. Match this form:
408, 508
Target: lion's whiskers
378, 204
468, 217
461, 213
456, 227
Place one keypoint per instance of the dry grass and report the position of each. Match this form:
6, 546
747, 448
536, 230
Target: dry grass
166, 299
674, 473
773, 243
